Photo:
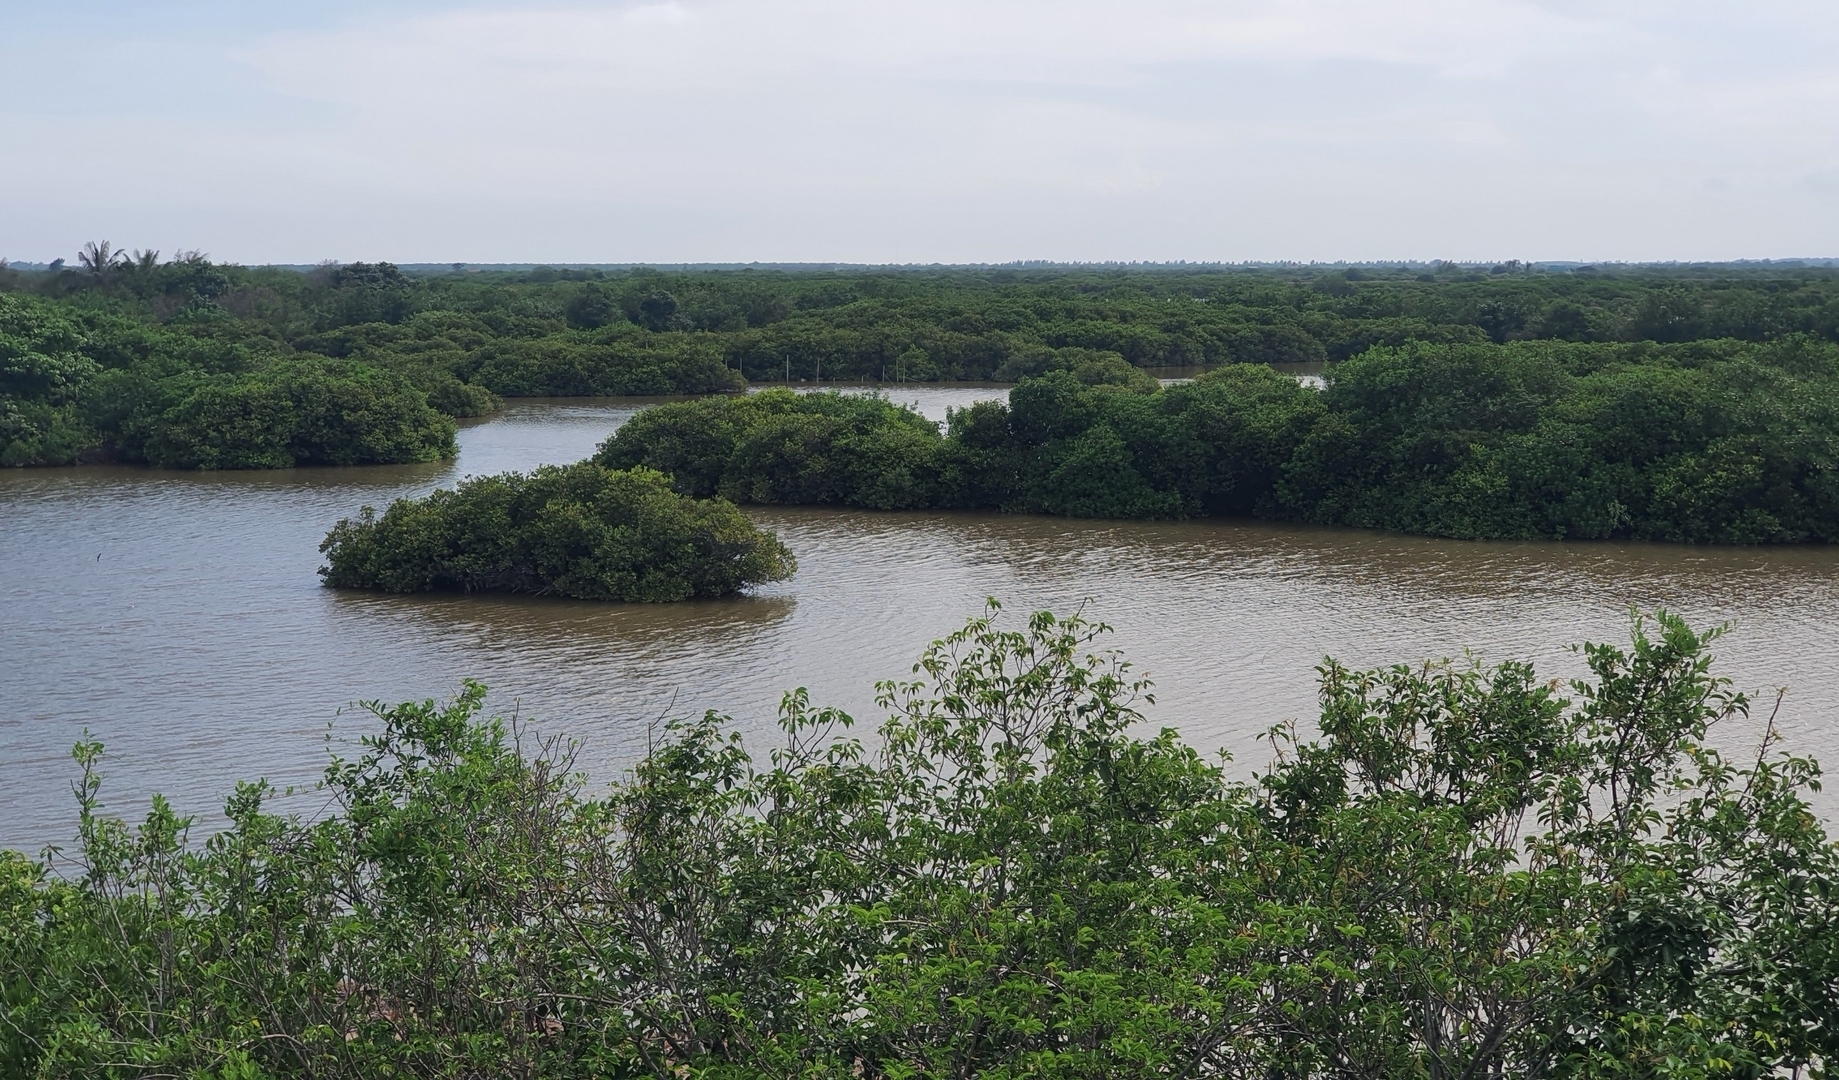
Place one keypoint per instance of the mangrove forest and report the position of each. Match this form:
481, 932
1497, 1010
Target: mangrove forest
1678, 403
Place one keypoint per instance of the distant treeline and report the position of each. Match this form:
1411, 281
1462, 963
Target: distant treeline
1723, 442
187, 362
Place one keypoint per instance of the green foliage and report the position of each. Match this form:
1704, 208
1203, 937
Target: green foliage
1732, 444
367, 293
605, 364
783, 447
1709, 442
1062, 445
43, 371
591, 308
465, 339
77, 386
1467, 873
580, 531
288, 414
1089, 366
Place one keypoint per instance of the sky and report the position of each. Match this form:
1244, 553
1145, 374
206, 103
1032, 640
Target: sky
890, 131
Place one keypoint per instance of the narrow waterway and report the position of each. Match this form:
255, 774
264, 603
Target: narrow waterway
177, 617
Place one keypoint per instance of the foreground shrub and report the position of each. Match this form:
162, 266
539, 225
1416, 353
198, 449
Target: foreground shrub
577, 530
1465, 874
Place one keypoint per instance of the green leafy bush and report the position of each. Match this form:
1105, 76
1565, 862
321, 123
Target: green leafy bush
583, 365
1062, 445
1468, 872
79, 386
1726, 444
580, 531
1708, 442
286, 415
778, 446
43, 372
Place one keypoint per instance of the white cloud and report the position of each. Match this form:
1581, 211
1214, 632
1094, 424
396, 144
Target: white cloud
1091, 42
812, 94
951, 129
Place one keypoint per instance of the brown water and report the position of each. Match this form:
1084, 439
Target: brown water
177, 616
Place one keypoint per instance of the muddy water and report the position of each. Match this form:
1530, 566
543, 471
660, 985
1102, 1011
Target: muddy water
178, 618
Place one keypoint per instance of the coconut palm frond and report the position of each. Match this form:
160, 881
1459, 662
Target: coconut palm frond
100, 257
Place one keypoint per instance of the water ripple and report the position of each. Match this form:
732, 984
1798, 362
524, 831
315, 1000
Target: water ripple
178, 617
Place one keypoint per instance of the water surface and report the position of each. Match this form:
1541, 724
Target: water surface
177, 616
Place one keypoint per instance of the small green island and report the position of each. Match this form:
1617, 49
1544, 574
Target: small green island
580, 531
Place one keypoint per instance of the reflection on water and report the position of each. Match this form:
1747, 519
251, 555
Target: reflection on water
178, 617
934, 401
1308, 372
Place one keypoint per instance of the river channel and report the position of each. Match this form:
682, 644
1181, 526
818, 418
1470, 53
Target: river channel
178, 618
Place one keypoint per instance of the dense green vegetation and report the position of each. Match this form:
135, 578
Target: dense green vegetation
577, 530
189, 364
106, 359
1468, 873
1724, 442
80, 386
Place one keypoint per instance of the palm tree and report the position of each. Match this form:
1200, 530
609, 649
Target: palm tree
100, 258
145, 261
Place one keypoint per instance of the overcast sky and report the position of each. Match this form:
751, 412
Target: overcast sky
932, 130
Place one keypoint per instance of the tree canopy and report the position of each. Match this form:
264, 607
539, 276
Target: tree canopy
1686, 403
580, 531
1723, 442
